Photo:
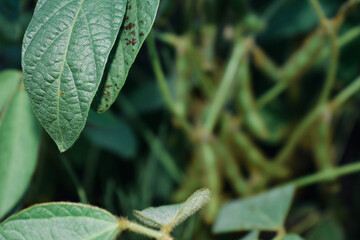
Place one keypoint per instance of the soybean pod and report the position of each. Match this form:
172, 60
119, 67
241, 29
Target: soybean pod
323, 152
305, 57
213, 179
265, 64
247, 104
255, 157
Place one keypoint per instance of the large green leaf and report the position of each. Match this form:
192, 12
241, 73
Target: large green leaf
266, 211
60, 221
9, 83
65, 49
172, 215
139, 18
19, 144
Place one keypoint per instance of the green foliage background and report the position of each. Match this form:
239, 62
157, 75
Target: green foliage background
138, 154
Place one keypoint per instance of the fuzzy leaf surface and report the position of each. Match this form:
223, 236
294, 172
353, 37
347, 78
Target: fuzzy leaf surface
65, 50
59, 221
266, 211
139, 19
173, 215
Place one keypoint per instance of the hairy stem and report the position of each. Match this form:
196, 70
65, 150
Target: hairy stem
79, 188
134, 227
160, 77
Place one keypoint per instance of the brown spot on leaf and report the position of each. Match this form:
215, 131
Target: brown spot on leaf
129, 26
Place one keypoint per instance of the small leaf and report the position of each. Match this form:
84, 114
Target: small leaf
172, 215
266, 211
139, 19
65, 49
292, 237
254, 235
19, 144
60, 221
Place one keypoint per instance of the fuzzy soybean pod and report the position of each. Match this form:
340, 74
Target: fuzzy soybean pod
305, 57
324, 155
247, 105
213, 179
255, 157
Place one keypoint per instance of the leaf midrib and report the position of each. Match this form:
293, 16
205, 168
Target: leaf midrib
62, 70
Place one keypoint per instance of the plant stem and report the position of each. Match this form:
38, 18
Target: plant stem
213, 179
271, 94
125, 224
257, 158
91, 168
280, 86
334, 53
333, 66
160, 77
319, 11
79, 188
284, 154
312, 116
345, 94
327, 175
349, 36
154, 143
225, 86
232, 170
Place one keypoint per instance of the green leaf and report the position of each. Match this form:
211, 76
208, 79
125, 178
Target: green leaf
19, 144
327, 230
65, 49
172, 215
292, 237
254, 235
266, 211
9, 83
139, 19
60, 221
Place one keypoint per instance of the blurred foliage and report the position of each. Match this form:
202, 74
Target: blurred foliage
149, 150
